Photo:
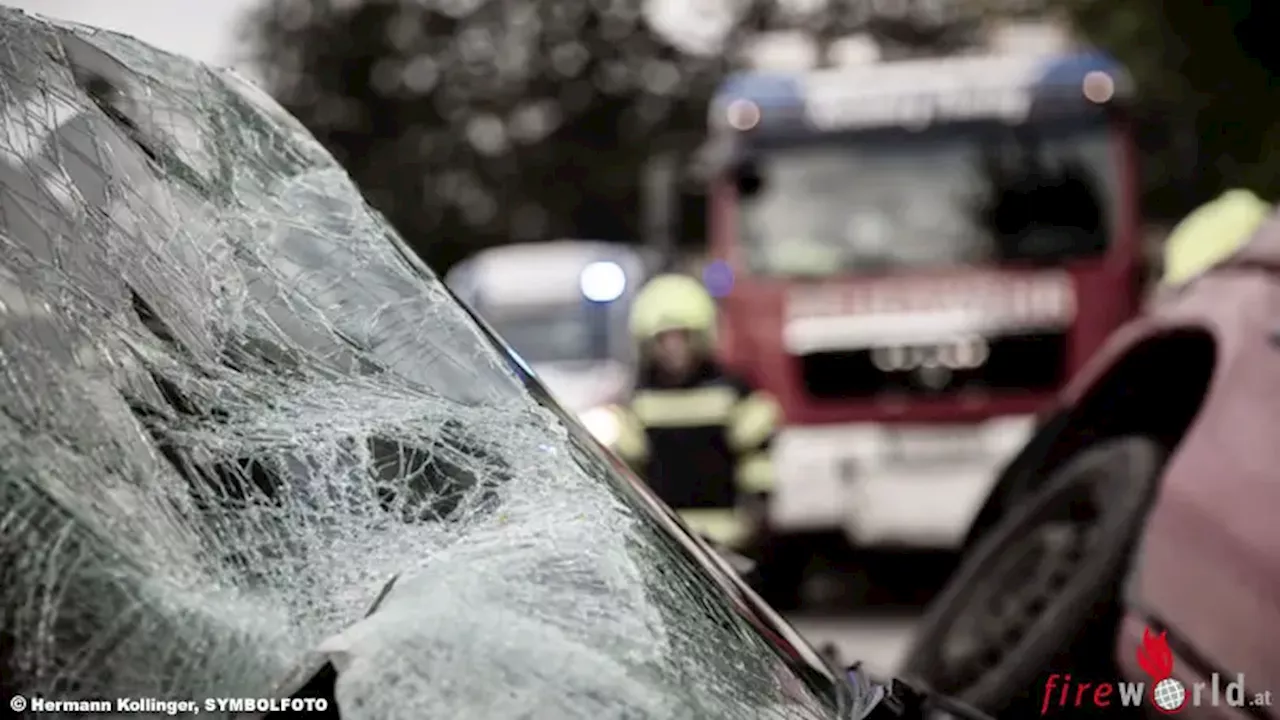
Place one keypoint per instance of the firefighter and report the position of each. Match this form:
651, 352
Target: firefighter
696, 433
1211, 234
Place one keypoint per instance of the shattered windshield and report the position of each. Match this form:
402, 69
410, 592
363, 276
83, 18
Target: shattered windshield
951, 194
233, 406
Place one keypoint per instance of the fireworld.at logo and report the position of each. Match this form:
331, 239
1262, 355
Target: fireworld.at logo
1166, 693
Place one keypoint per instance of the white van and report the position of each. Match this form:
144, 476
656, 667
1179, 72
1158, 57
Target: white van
562, 306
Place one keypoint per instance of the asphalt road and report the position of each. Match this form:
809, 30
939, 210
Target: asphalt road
868, 607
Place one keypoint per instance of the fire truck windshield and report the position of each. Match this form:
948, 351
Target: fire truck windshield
951, 194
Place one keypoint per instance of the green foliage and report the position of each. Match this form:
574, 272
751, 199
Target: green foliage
1206, 75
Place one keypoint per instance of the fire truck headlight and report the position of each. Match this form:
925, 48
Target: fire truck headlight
602, 424
603, 282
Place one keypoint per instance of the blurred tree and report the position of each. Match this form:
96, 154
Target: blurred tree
1206, 74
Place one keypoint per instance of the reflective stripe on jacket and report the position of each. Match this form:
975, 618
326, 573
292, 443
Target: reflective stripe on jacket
701, 446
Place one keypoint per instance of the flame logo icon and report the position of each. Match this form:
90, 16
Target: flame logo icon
1168, 695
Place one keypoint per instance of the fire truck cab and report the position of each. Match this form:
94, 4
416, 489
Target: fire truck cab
562, 306
913, 256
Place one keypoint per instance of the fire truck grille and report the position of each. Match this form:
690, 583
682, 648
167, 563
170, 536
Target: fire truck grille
1033, 362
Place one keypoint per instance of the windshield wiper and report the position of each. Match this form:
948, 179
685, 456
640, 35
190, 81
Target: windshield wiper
319, 681
897, 699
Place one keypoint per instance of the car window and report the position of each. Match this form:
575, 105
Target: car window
232, 407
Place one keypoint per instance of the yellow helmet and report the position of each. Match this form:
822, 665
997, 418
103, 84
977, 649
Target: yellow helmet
672, 302
1211, 234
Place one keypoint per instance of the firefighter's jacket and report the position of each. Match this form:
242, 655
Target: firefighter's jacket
703, 447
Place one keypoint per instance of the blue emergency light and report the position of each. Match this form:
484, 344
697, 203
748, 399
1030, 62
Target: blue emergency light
717, 276
603, 281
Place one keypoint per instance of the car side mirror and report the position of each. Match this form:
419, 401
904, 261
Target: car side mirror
747, 178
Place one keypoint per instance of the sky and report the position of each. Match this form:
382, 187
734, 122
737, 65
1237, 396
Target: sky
204, 29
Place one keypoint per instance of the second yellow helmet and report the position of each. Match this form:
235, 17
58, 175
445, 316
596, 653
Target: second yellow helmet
1211, 234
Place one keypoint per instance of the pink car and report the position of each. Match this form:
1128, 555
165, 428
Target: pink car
1142, 507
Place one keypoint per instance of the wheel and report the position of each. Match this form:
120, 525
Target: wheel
1038, 592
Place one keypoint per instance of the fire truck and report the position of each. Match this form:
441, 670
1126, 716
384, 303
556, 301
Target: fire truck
914, 255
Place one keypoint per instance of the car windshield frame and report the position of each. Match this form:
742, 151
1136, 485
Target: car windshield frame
971, 165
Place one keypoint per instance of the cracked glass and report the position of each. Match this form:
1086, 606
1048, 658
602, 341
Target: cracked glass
234, 406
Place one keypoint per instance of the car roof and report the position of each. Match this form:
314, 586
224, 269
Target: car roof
536, 273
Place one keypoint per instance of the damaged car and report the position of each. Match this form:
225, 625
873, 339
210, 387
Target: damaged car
252, 448
1132, 539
